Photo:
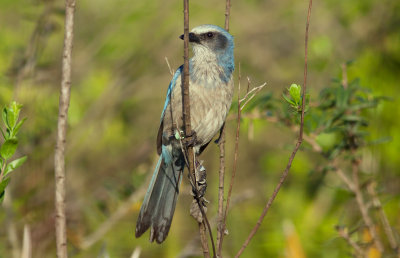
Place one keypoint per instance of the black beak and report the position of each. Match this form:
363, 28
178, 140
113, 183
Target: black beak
192, 37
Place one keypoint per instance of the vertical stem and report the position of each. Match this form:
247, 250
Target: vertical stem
59, 156
363, 208
220, 227
221, 144
296, 148
227, 14
186, 114
203, 240
385, 222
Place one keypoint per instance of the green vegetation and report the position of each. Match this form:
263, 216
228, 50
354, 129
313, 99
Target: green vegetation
12, 124
119, 83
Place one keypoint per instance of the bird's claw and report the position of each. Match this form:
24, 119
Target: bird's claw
190, 140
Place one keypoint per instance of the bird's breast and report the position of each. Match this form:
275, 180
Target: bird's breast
210, 101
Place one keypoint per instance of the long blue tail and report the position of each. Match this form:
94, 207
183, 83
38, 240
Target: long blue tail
160, 200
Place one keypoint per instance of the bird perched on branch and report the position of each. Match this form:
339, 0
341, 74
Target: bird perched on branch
210, 91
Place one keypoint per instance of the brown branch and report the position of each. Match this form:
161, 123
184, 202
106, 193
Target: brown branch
385, 222
203, 239
59, 156
227, 14
234, 162
296, 148
344, 234
221, 145
363, 208
220, 225
187, 124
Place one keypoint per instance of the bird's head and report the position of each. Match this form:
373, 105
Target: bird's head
211, 38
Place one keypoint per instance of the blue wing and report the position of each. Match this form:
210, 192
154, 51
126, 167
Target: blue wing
171, 86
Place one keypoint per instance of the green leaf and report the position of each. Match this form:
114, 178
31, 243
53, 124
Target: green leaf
342, 97
9, 147
295, 93
14, 110
14, 164
4, 115
3, 185
288, 100
17, 127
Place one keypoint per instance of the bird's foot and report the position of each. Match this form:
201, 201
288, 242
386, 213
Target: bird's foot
190, 140
198, 206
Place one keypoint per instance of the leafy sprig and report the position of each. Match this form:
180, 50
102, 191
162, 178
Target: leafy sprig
12, 126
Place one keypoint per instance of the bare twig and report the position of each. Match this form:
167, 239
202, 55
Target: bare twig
343, 233
296, 148
11, 227
234, 162
227, 14
203, 239
136, 252
344, 178
220, 227
253, 91
363, 208
221, 145
187, 122
385, 222
169, 67
191, 249
59, 157
27, 243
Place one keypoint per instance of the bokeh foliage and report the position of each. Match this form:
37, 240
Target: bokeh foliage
119, 84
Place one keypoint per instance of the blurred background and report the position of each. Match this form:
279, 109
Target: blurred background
119, 82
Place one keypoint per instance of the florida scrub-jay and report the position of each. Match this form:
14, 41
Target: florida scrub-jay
211, 90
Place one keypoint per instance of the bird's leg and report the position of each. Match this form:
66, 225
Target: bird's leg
198, 192
190, 140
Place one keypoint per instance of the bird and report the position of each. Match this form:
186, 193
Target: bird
211, 89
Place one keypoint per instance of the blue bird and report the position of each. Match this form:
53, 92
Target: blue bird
211, 90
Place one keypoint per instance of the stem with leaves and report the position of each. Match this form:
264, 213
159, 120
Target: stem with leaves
296, 148
12, 126
59, 156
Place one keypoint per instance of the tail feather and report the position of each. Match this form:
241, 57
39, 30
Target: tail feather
160, 200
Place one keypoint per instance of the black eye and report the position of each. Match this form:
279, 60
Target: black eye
210, 34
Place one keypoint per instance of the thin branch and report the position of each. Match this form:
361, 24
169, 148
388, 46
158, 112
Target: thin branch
221, 145
27, 243
220, 225
296, 148
187, 120
227, 14
344, 178
234, 160
190, 249
203, 239
344, 234
59, 156
253, 91
169, 67
363, 208
385, 222
136, 252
